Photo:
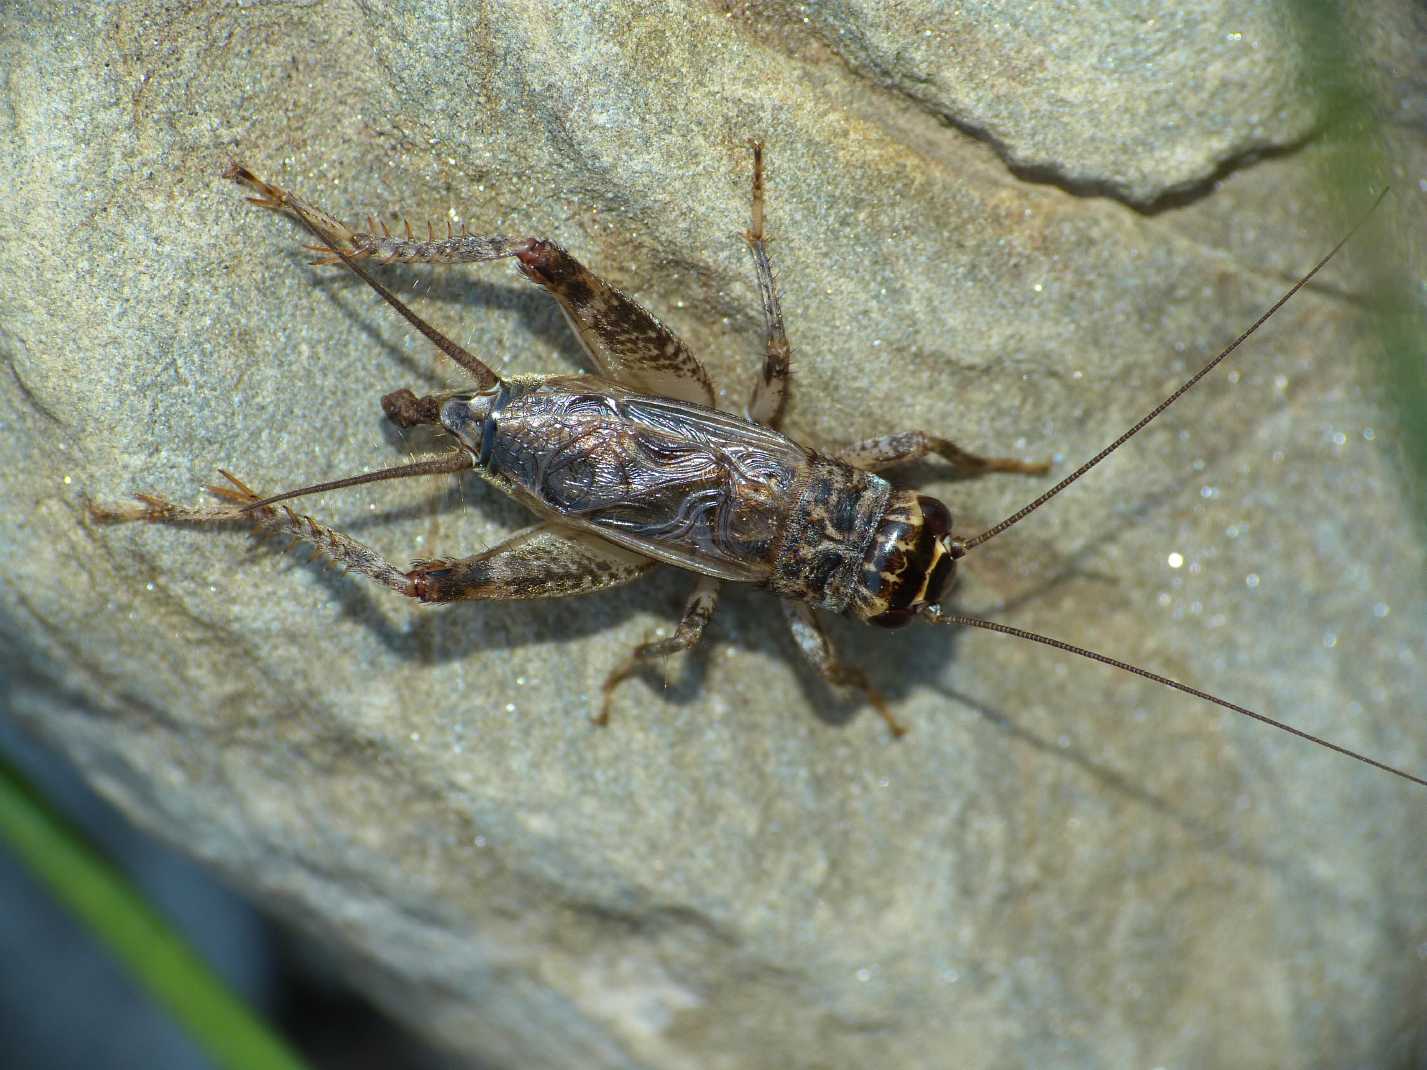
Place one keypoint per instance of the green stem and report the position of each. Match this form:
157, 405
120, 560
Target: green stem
162, 961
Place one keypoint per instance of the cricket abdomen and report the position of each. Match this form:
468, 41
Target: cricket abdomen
678, 482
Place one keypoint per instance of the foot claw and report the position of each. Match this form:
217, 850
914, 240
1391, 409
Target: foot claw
896, 727
239, 493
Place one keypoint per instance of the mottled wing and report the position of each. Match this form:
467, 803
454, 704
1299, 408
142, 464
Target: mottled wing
692, 486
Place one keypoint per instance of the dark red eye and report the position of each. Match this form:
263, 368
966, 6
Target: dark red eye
936, 518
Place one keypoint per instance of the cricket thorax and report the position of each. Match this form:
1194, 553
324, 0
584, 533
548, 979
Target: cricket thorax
827, 534
909, 564
682, 483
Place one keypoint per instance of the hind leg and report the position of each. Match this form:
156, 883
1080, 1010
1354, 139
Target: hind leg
624, 341
340, 549
540, 562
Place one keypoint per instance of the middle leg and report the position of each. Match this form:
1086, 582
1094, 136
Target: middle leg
697, 612
770, 392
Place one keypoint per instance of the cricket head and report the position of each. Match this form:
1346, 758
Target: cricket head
910, 563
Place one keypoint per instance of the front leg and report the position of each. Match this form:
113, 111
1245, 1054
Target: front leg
698, 610
817, 648
875, 454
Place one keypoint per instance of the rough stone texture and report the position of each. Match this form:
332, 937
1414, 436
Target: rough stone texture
1060, 865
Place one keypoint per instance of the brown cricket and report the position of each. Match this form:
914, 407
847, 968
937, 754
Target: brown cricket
634, 467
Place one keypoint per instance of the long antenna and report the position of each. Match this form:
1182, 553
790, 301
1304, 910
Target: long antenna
273, 197
936, 616
457, 461
1021, 514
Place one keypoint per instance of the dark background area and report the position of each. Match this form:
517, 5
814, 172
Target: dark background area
66, 1003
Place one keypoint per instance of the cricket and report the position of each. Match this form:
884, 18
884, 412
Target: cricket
633, 467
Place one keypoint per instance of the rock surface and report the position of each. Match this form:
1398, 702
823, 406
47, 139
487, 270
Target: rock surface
1060, 865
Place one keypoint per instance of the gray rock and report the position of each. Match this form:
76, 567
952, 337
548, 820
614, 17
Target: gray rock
1061, 864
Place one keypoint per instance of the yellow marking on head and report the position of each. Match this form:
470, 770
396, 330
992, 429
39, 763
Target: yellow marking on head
938, 552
